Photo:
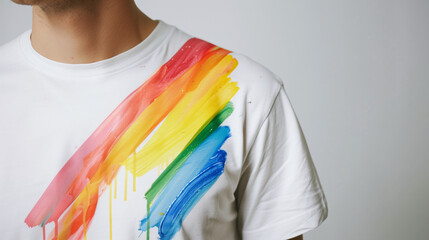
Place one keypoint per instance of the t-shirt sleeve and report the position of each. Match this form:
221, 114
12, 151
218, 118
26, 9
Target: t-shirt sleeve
279, 195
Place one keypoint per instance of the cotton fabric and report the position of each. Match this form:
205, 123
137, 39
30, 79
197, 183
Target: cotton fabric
269, 187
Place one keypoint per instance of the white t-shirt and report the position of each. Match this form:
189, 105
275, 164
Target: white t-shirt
203, 139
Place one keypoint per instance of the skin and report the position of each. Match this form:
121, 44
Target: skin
85, 31
300, 237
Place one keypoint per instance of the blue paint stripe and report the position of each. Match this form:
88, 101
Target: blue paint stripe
206, 154
189, 196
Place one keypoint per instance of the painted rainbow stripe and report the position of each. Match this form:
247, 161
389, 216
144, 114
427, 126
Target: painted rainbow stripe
190, 95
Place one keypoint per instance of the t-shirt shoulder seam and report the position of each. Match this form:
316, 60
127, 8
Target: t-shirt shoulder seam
263, 121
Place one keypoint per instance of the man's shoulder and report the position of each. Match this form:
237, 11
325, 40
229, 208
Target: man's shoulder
258, 87
258, 84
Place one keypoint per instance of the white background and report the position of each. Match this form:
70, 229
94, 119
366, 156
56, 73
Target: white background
357, 74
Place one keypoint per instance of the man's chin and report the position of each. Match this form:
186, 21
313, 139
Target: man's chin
37, 2
25, 2
51, 5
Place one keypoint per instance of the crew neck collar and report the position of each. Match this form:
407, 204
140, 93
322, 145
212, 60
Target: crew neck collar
129, 58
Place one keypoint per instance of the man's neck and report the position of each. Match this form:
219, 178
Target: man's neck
89, 32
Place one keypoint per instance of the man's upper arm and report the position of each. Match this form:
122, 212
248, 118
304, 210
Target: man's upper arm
297, 238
